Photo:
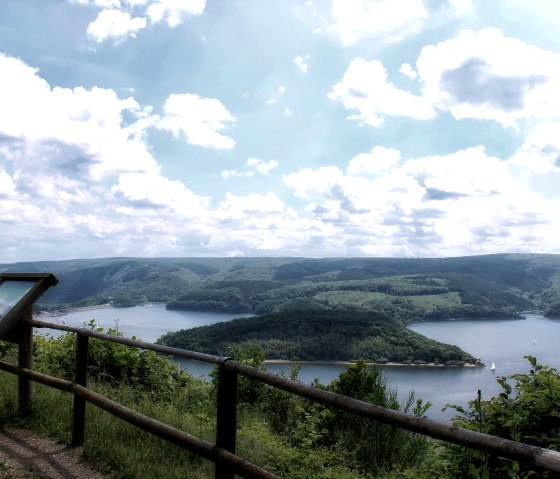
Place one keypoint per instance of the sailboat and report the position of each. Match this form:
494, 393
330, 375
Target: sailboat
493, 367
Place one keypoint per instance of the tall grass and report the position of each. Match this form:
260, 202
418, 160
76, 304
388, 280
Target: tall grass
113, 445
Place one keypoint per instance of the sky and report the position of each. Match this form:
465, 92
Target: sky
166, 128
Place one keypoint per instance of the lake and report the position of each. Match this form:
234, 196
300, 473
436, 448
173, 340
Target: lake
503, 342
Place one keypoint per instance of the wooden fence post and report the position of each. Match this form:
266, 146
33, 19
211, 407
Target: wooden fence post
25, 360
226, 420
79, 417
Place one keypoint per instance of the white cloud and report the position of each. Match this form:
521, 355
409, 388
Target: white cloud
99, 3
262, 167
238, 206
435, 205
115, 21
482, 75
407, 70
173, 11
74, 172
200, 119
365, 88
280, 91
374, 162
462, 7
114, 24
81, 131
540, 152
486, 75
7, 185
154, 191
301, 63
388, 20
256, 166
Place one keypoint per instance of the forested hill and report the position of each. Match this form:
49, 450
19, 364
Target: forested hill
403, 288
323, 336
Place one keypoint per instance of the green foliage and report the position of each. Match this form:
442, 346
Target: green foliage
109, 363
224, 296
224, 299
5, 347
303, 448
320, 335
528, 412
375, 446
370, 446
277, 454
248, 391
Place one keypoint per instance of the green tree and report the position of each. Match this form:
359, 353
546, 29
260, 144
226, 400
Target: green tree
376, 446
248, 390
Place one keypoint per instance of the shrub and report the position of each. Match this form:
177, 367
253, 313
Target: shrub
110, 363
528, 412
376, 447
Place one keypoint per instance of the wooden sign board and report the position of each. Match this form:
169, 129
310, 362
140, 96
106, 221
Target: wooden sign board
18, 294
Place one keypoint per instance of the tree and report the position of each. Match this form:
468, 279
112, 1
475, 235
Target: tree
376, 446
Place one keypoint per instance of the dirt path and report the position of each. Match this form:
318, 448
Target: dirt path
26, 456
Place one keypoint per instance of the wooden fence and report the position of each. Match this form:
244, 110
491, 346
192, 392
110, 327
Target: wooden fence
222, 453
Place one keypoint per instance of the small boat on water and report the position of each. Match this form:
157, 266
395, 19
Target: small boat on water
493, 367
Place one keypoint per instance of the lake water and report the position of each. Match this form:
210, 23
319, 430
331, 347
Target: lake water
503, 342
147, 322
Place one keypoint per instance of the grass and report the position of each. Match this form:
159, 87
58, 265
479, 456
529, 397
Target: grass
112, 444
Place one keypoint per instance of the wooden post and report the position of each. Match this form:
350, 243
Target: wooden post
79, 417
226, 421
25, 360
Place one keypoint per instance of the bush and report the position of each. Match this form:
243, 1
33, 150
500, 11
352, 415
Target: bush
376, 447
528, 412
110, 363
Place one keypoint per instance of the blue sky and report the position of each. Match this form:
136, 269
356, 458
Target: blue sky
278, 128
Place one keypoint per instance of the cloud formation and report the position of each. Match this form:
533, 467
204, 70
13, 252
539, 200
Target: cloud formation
453, 147
199, 119
114, 24
116, 21
441, 204
366, 89
302, 63
256, 166
387, 20
480, 75
486, 75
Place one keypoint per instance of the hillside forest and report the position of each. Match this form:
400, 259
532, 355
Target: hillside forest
349, 308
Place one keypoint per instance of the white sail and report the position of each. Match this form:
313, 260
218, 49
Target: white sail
493, 368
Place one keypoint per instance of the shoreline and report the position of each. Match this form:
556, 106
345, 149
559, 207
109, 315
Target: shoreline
75, 309
351, 363
79, 309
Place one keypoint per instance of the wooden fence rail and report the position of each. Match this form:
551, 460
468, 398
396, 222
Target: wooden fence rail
223, 452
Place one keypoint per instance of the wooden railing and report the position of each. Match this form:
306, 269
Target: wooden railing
222, 453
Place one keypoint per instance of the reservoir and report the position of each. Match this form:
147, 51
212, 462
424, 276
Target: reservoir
503, 342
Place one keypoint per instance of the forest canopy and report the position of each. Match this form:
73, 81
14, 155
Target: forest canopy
321, 335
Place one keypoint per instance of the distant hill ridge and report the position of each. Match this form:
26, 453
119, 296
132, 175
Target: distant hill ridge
500, 285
